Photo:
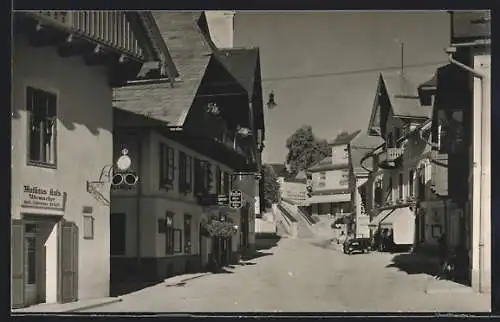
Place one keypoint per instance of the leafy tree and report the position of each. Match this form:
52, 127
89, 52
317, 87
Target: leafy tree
304, 150
271, 187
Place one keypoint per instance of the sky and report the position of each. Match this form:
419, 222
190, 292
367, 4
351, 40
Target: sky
323, 66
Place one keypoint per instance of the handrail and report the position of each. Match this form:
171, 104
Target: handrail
307, 218
286, 213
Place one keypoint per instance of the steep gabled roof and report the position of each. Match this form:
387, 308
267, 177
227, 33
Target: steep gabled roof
326, 164
344, 138
191, 53
403, 99
403, 96
241, 63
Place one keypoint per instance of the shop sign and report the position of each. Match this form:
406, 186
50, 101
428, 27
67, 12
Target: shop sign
46, 198
471, 25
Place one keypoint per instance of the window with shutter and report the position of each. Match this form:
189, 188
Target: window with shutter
226, 183
169, 233
182, 172
218, 181
42, 117
167, 166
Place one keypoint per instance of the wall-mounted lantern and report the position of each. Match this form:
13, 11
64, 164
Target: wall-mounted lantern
271, 103
244, 131
123, 176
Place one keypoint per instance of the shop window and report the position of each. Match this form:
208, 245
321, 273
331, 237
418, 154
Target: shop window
42, 117
167, 166
88, 227
187, 234
118, 233
169, 233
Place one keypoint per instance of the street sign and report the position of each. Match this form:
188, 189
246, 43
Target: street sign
235, 199
222, 200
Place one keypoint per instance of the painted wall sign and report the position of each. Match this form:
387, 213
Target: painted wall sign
36, 197
471, 25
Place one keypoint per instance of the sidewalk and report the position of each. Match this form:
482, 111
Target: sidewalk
67, 307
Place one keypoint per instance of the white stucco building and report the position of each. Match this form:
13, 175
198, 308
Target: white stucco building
62, 140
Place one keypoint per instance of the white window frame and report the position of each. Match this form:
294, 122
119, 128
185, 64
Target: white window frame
88, 227
39, 85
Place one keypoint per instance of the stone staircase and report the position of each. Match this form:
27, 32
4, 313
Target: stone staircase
304, 227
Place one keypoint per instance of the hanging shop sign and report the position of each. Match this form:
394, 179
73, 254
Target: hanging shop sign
40, 197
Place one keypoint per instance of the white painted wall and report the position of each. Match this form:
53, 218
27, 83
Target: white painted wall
481, 193
155, 202
362, 220
84, 147
221, 27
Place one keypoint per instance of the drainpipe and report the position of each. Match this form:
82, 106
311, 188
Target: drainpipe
482, 77
138, 201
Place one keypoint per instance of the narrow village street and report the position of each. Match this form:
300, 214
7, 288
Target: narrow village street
302, 275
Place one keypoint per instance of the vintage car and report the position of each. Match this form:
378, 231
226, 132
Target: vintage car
353, 245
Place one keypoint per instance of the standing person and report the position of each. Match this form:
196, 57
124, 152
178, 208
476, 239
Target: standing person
376, 240
390, 240
443, 254
383, 243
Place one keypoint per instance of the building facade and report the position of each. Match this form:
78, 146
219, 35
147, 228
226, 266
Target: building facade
446, 157
194, 140
359, 180
330, 194
62, 140
397, 112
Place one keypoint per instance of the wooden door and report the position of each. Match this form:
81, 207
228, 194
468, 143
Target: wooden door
68, 262
17, 264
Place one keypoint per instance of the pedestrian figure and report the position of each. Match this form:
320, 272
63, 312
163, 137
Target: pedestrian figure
390, 240
384, 237
376, 240
443, 255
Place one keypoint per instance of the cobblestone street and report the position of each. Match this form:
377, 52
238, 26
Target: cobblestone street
301, 275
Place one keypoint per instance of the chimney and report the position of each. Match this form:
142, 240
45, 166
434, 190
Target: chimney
221, 27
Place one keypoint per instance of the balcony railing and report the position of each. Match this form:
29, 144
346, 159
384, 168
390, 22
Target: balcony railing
389, 157
110, 28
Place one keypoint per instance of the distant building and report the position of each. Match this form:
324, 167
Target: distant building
359, 174
330, 179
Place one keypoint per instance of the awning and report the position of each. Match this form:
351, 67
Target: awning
396, 215
381, 216
402, 221
329, 198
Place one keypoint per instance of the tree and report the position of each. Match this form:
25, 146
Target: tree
304, 150
271, 187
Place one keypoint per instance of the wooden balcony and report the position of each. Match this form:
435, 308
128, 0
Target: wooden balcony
391, 158
100, 38
109, 28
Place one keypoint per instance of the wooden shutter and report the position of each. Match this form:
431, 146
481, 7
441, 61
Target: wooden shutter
68, 262
17, 264
182, 172
198, 176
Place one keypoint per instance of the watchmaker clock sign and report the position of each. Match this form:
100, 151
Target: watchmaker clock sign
38, 197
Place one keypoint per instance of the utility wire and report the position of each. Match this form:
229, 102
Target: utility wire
339, 73
351, 72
